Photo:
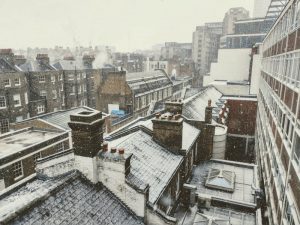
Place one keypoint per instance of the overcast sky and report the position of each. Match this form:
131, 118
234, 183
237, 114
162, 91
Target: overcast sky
126, 24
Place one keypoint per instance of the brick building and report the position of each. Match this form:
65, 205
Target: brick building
44, 85
14, 91
132, 92
21, 149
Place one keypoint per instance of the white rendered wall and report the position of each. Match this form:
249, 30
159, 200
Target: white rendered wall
87, 166
260, 8
256, 68
232, 65
112, 175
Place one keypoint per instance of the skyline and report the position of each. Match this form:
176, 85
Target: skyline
107, 22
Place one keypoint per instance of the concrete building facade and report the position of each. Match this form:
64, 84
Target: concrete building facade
231, 16
278, 134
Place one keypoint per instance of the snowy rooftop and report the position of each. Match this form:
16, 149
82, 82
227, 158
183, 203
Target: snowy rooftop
61, 118
233, 89
65, 200
244, 186
189, 132
147, 81
35, 66
194, 107
213, 216
14, 142
76, 64
150, 164
220, 216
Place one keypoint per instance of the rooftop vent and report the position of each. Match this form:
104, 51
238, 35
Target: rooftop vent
220, 179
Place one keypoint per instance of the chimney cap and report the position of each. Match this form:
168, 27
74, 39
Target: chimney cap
121, 151
209, 103
113, 150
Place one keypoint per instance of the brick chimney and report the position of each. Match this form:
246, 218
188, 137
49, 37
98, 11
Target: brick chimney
174, 107
8, 55
208, 112
20, 59
43, 59
167, 130
88, 61
87, 133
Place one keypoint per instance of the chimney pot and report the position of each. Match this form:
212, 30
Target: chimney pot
105, 146
157, 115
113, 150
209, 103
170, 117
121, 151
177, 116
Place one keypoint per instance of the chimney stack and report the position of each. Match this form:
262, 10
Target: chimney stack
167, 130
208, 112
87, 133
8, 55
43, 59
88, 61
20, 59
174, 107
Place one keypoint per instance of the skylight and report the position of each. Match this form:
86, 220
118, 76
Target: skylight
220, 179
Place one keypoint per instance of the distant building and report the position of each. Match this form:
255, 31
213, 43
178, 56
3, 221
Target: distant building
247, 33
14, 91
152, 65
179, 51
133, 93
206, 41
231, 16
131, 62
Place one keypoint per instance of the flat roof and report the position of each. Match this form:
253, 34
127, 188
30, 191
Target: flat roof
14, 142
245, 181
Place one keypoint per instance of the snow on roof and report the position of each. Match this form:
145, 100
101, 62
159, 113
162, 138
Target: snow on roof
61, 118
35, 66
189, 132
150, 163
221, 216
69, 199
236, 90
194, 107
245, 181
147, 81
14, 142
220, 179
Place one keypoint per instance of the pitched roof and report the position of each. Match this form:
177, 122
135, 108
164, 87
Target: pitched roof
67, 200
35, 66
147, 81
189, 132
150, 163
194, 107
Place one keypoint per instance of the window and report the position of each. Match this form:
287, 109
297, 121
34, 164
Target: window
54, 94
178, 185
2, 102
79, 89
17, 100
53, 79
4, 126
297, 149
62, 87
43, 93
17, 81
40, 109
6, 82
36, 157
73, 90
60, 147
42, 78
26, 98
19, 118
83, 75
71, 76
18, 170
60, 76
